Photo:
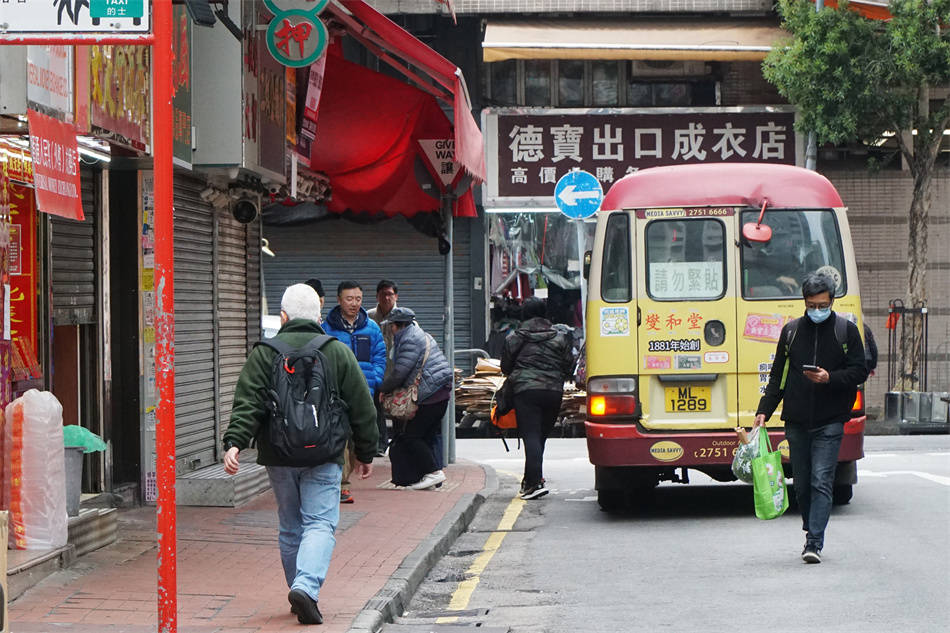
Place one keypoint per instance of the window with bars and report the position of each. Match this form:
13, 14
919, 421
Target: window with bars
604, 83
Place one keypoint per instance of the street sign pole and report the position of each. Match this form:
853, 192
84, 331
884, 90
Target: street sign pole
162, 48
578, 195
581, 239
166, 511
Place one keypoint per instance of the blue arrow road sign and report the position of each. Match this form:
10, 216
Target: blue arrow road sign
578, 194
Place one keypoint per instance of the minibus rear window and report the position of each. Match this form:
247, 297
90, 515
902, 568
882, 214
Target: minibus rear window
686, 259
616, 269
802, 242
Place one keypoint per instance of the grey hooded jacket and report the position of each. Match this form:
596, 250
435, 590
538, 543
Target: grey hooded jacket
409, 348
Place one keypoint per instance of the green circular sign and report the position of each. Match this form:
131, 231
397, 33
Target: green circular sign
296, 38
309, 6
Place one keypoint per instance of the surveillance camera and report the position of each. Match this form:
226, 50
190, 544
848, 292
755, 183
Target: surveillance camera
244, 210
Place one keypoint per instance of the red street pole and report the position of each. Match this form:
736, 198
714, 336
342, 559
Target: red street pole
162, 56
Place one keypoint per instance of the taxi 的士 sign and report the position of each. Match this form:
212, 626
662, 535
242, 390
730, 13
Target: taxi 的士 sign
75, 16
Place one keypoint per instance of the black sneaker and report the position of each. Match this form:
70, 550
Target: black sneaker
811, 554
304, 607
534, 492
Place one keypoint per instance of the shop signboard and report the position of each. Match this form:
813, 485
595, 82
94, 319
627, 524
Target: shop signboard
75, 16
21, 260
55, 158
49, 79
18, 163
296, 37
181, 101
119, 94
529, 150
273, 108
308, 121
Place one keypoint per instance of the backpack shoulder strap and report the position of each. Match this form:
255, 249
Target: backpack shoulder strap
789, 338
277, 345
790, 333
841, 333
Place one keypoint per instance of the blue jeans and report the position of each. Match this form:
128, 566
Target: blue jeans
308, 508
814, 457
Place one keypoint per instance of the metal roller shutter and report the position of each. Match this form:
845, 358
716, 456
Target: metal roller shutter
194, 327
231, 309
334, 250
73, 256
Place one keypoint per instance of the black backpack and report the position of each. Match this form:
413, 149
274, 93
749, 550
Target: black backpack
309, 423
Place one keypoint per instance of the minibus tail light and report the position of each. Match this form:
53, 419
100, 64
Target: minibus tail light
858, 406
611, 405
614, 396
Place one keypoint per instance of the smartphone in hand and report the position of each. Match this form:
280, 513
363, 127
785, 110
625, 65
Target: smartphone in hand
811, 367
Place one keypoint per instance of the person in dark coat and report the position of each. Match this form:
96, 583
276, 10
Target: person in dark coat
537, 359
816, 381
435, 386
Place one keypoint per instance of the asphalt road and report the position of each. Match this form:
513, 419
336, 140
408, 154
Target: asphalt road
697, 560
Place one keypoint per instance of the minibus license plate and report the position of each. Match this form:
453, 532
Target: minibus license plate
687, 398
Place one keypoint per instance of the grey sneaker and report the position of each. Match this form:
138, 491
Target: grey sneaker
811, 554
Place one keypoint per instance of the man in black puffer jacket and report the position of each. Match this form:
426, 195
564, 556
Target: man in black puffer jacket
537, 359
816, 380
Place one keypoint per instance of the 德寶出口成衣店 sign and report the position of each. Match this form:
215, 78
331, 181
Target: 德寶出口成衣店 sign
535, 150
70, 16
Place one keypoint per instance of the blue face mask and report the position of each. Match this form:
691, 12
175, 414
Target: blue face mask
817, 316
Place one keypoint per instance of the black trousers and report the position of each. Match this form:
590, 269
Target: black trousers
536, 410
420, 432
381, 426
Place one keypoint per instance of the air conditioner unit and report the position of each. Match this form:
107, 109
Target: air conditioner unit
664, 68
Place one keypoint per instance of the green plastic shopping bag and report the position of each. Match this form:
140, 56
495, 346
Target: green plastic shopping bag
768, 481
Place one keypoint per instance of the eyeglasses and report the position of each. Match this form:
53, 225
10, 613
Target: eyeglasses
817, 306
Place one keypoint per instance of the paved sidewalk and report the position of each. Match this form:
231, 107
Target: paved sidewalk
229, 573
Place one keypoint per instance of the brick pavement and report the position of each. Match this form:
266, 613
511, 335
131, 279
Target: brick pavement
229, 574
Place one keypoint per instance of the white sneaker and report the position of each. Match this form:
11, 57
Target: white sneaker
428, 481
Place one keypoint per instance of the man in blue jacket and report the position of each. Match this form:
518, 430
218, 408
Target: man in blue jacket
351, 325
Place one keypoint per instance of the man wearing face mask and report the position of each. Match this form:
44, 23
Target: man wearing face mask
815, 374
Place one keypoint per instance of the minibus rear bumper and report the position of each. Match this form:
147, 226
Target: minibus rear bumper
631, 445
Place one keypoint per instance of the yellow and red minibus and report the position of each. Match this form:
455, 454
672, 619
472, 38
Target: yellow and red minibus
694, 271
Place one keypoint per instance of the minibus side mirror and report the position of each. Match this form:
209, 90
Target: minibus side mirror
756, 232
587, 260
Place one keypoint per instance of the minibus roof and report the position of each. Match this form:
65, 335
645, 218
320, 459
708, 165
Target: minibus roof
727, 184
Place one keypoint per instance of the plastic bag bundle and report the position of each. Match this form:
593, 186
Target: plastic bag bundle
745, 453
80, 437
33, 438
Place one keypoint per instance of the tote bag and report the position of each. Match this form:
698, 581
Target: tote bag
768, 481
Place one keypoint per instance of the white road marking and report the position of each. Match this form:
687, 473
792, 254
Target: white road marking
938, 479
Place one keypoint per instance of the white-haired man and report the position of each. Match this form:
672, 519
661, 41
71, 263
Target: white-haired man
307, 497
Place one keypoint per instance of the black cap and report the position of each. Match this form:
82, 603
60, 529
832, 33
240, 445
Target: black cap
316, 285
400, 315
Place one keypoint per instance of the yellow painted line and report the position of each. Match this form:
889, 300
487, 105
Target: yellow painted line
463, 593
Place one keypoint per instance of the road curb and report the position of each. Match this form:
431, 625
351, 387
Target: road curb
392, 600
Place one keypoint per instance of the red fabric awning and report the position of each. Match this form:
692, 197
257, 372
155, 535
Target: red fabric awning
875, 10
376, 30
367, 142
